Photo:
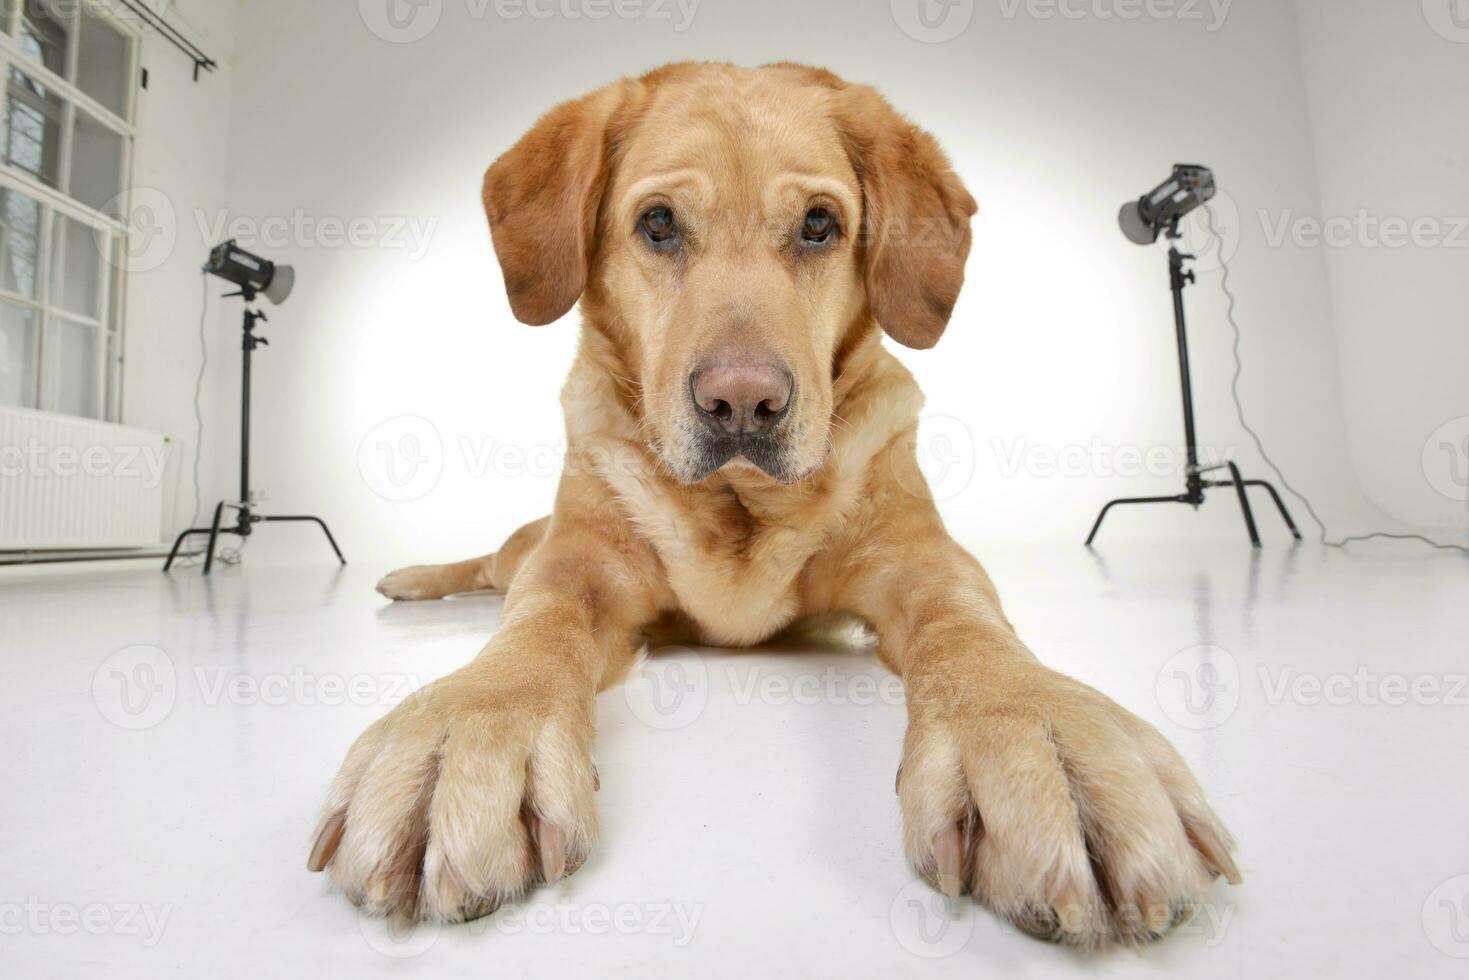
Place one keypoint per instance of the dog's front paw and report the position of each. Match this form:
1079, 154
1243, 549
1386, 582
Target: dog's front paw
1058, 809
460, 799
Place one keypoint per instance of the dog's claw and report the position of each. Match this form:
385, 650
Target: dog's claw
948, 855
551, 840
1215, 853
327, 841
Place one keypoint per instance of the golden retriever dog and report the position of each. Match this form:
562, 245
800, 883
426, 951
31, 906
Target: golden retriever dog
741, 455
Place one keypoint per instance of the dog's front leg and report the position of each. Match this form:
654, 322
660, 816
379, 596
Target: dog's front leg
480, 784
1050, 803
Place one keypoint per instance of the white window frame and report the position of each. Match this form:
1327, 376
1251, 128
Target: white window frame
110, 323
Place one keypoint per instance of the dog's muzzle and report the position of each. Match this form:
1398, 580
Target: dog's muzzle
740, 405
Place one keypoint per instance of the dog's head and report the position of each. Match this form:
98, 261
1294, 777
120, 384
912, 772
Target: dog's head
733, 231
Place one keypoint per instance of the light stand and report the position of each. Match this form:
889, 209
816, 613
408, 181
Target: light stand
1194, 482
245, 516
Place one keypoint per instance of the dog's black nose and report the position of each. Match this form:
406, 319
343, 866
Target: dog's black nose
740, 398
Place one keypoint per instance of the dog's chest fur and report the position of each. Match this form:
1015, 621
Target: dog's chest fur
733, 558
733, 547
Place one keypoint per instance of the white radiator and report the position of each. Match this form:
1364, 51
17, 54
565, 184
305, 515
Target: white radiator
69, 482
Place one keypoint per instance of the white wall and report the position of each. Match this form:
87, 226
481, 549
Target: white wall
1389, 86
1062, 342
179, 172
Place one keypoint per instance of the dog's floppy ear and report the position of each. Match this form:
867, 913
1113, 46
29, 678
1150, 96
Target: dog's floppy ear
915, 221
542, 198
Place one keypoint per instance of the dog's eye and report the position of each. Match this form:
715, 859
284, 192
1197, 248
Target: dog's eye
657, 226
818, 227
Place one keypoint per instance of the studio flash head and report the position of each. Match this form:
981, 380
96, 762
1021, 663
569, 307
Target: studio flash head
1189, 186
250, 272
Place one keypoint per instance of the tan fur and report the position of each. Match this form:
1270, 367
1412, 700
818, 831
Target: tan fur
1050, 803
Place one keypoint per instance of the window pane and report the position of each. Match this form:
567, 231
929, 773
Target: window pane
44, 27
17, 356
33, 142
96, 164
102, 61
76, 265
20, 237
71, 353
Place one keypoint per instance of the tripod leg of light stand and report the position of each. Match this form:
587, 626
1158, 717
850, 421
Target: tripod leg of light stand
213, 537
319, 523
179, 541
1128, 500
1244, 504
1285, 514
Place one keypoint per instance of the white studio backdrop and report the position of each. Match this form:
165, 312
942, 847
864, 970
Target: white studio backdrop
400, 400
1392, 151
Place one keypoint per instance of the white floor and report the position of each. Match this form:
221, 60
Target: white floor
166, 741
